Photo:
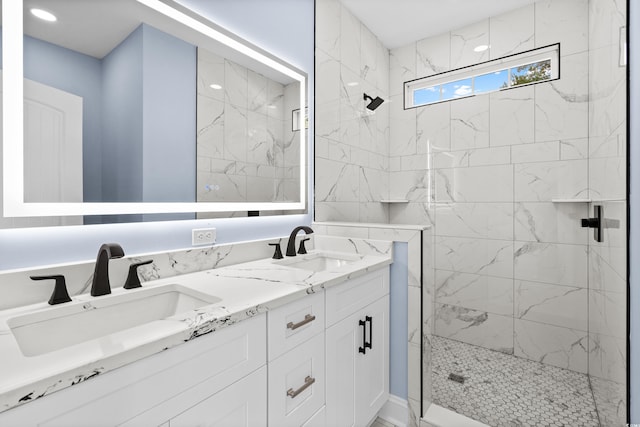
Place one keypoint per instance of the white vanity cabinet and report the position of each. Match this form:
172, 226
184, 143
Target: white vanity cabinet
184, 383
357, 349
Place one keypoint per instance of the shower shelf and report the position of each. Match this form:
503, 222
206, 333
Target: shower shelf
394, 201
571, 200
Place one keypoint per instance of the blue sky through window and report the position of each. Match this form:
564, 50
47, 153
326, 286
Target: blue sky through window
457, 89
426, 96
491, 81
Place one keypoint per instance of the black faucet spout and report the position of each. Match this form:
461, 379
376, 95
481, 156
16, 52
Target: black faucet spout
100, 284
291, 246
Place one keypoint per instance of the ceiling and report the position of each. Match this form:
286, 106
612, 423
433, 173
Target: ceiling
399, 22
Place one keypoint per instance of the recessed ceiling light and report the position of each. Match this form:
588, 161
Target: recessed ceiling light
44, 15
480, 48
215, 86
352, 84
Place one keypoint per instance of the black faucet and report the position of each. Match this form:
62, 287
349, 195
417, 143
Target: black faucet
291, 246
100, 284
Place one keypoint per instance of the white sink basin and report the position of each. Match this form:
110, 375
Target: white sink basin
79, 321
320, 261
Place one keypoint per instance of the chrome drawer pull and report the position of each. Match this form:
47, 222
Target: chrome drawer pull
308, 318
307, 382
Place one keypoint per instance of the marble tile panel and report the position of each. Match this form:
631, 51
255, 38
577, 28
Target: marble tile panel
475, 327
374, 185
480, 256
489, 156
410, 213
512, 116
368, 56
536, 152
403, 128
215, 187
607, 313
470, 122
605, 19
339, 182
336, 211
328, 27
611, 401
475, 184
383, 66
417, 162
450, 159
395, 164
413, 359
483, 293
327, 123
563, 306
373, 212
256, 92
562, 110
574, 149
235, 84
235, 133
211, 121
340, 231
433, 128
351, 101
607, 93
409, 185
210, 71
608, 178
607, 357
433, 55
553, 345
608, 269
480, 220
402, 67
563, 21
275, 100
260, 148
511, 32
545, 181
350, 40
547, 222
328, 86
464, 41
551, 263
261, 189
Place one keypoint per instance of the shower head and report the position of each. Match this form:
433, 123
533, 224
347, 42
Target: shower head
375, 103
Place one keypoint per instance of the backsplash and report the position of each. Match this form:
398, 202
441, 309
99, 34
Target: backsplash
17, 289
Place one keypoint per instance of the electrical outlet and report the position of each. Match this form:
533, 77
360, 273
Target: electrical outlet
203, 236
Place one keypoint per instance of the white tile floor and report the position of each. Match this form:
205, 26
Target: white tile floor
506, 391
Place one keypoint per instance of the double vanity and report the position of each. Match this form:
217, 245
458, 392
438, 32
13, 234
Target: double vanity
302, 340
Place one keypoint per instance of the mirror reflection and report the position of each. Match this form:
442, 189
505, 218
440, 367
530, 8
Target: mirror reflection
123, 105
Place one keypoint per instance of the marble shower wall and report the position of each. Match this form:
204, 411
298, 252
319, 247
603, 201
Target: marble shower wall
510, 264
351, 142
247, 150
607, 182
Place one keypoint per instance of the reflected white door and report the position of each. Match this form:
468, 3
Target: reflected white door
52, 151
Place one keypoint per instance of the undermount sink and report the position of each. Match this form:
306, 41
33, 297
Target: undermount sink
320, 261
79, 321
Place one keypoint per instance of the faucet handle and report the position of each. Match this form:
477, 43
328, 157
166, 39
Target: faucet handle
277, 254
133, 281
302, 250
60, 293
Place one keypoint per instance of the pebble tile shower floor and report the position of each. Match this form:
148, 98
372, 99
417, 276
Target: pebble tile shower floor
506, 391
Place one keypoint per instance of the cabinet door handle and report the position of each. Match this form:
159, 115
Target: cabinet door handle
307, 382
363, 349
370, 343
308, 318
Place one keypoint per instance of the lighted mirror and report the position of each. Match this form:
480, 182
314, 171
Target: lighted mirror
115, 107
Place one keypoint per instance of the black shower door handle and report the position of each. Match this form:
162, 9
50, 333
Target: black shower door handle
370, 343
363, 349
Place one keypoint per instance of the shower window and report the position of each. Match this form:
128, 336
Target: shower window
526, 68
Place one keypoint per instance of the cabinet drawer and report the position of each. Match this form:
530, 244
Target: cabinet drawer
345, 299
297, 384
295, 323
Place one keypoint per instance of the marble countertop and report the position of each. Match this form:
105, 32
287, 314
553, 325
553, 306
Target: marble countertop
245, 290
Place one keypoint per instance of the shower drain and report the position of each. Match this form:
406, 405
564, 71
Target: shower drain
457, 378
